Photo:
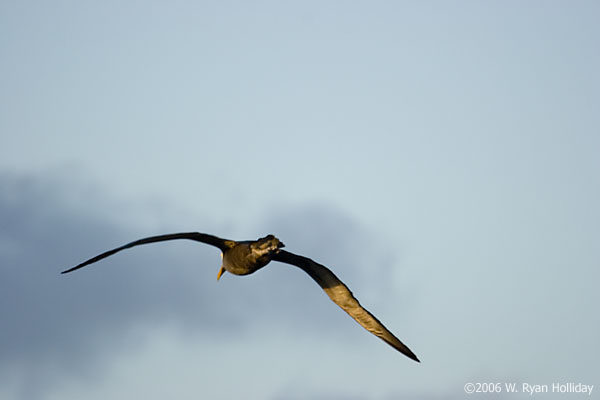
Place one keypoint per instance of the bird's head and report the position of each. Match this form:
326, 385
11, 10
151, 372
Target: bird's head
264, 249
267, 245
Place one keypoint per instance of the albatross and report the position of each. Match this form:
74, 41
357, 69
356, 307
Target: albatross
248, 256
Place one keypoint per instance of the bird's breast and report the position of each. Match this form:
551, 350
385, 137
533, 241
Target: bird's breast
242, 261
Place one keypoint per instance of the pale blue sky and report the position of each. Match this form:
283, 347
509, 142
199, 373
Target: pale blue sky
446, 153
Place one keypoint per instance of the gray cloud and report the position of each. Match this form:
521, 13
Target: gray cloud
55, 324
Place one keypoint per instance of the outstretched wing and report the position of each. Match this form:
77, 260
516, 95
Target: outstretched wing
342, 296
199, 237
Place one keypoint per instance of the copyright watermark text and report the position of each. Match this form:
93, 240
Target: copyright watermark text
528, 388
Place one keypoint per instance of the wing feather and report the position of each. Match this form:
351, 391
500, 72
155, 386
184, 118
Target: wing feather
197, 236
339, 293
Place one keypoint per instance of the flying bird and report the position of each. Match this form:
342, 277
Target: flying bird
246, 257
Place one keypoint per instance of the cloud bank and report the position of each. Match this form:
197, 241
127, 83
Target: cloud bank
67, 324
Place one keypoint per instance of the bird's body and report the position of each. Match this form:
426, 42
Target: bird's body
251, 255
246, 257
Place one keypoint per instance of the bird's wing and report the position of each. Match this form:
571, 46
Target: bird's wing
342, 296
199, 237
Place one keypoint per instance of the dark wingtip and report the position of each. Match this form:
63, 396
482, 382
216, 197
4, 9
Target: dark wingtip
412, 356
66, 271
408, 353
